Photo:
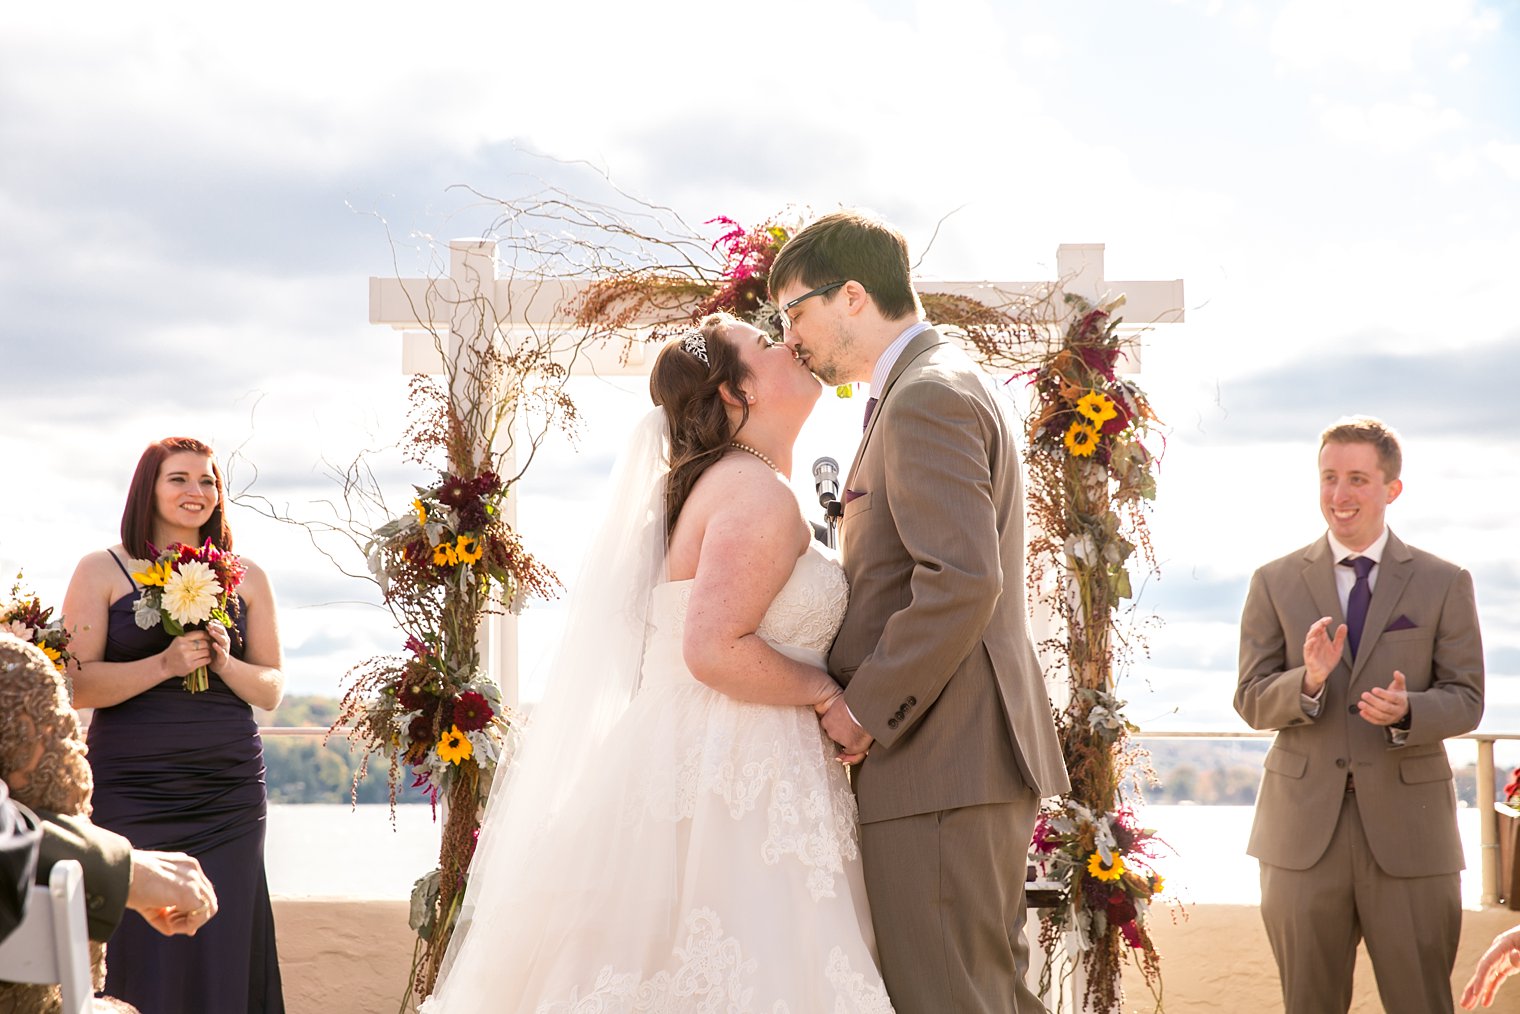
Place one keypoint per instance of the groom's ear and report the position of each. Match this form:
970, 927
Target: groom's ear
856, 297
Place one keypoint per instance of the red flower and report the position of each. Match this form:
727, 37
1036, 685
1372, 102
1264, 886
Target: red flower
420, 733
1132, 935
1514, 784
1119, 422
1121, 908
417, 647
471, 712
487, 484
1100, 358
454, 491
1044, 838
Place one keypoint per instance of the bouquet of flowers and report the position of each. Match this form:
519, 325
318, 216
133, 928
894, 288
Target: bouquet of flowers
25, 617
184, 588
1511, 789
1103, 863
442, 719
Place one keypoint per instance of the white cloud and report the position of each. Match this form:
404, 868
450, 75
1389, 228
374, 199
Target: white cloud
1391, 127
1505, 156
1380, 36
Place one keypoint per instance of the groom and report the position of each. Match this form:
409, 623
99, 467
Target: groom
942, 685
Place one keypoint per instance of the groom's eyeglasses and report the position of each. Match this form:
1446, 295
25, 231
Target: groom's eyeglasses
784, 315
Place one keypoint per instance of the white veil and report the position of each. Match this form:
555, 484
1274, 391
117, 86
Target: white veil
594, 676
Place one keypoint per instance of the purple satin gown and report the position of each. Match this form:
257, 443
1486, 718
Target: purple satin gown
182, 772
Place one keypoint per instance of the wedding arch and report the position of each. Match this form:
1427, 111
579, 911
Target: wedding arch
488, 349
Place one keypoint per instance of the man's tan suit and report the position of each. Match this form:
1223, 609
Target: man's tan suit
938, 666
1375, 856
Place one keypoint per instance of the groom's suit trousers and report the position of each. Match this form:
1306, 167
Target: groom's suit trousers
947, 905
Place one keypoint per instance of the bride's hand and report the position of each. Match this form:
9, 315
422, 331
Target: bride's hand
822, 707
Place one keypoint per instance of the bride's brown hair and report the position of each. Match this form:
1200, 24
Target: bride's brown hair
686, 382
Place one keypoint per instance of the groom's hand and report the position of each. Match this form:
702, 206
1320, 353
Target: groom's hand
853, 741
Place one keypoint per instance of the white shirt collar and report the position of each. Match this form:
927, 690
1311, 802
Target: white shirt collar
1374, 551
889, 356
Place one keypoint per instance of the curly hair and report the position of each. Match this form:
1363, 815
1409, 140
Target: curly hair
689, 390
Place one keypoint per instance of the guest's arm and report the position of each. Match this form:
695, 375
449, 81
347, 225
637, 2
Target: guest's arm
19, 838
107, 861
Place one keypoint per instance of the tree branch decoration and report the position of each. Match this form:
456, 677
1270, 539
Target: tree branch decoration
1091, 480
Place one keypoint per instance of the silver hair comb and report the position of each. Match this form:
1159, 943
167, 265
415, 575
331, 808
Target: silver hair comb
695, 343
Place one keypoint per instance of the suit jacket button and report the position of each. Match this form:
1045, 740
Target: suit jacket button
911, 701
892, 723
1340, 762
1351, 708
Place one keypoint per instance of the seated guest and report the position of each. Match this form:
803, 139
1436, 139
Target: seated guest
43, 767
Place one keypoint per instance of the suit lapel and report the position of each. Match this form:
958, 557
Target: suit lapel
921, 343
1319, 575
1394, 570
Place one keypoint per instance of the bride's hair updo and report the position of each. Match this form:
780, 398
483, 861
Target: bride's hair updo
685, 382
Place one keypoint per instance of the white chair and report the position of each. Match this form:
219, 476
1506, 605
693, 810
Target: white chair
52, 944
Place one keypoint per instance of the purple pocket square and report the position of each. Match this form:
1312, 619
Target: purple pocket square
851, 494
1402, 623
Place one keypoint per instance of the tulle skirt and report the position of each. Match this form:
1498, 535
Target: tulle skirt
707, 861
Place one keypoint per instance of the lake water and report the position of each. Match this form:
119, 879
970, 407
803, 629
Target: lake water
344, 852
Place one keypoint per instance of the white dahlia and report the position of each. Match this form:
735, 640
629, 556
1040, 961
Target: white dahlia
191, 593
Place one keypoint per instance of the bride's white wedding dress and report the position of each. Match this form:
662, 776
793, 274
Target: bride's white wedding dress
707, 862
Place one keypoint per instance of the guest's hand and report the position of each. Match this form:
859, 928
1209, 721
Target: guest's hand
1499, 962
1386, 705
221, 646
186, 653
171, 892
853, 741
1321, 654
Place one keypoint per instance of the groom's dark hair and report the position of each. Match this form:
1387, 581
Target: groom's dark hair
848, 246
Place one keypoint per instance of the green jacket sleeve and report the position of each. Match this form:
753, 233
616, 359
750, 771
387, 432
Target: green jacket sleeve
107, 861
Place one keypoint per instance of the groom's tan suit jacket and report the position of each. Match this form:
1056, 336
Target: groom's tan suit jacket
935, 652
1422, 621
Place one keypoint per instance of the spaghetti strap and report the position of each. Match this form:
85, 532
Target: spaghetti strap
123, 566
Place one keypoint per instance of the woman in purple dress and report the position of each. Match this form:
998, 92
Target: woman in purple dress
177, 771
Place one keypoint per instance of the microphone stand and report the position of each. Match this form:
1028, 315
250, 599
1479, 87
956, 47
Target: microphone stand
828, 532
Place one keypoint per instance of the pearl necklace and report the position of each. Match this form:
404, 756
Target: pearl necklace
747, 447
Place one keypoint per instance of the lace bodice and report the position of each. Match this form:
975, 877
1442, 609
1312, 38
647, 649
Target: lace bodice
801, 621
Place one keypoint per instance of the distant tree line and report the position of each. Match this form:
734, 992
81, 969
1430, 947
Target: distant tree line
301, 769
1206, 772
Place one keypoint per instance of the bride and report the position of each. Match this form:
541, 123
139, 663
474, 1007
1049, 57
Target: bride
675, 834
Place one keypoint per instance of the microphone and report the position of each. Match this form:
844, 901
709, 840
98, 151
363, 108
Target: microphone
826, 480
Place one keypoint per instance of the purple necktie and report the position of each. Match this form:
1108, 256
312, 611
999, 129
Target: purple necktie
1359, 600
870, 407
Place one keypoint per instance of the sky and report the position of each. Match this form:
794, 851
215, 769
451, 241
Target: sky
192, 203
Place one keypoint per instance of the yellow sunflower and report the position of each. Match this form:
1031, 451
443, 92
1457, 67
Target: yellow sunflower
154, 576
1096, 867
421, 509
1097, 407
1081, 440
467, 549
1157, 883
444, 555
455, 747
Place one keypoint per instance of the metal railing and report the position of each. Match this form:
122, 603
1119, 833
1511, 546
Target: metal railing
1488, 817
